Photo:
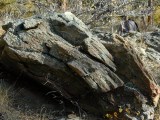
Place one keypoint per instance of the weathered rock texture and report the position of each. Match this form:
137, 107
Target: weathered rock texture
139, 44
147, 45
60, 52
152, 41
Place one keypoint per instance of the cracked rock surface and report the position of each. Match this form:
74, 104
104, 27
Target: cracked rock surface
60, 52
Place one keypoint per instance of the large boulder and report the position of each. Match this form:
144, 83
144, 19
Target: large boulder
60, 52
147, 45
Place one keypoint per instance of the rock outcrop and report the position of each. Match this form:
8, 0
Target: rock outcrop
152, 41
147, 45
60, 52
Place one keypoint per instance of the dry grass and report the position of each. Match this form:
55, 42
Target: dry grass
8, 111
157, 113
6, 99
1, 31
157, 16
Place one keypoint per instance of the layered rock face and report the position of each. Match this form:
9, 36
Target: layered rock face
60, 52
152, 41
147, 46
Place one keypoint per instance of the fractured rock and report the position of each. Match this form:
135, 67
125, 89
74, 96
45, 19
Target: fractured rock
60, 52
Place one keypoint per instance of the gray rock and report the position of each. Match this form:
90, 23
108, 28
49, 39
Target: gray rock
60, 52
74, 63
153, 40
148, 112
148, 46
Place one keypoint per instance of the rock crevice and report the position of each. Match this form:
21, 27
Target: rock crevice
60, 52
